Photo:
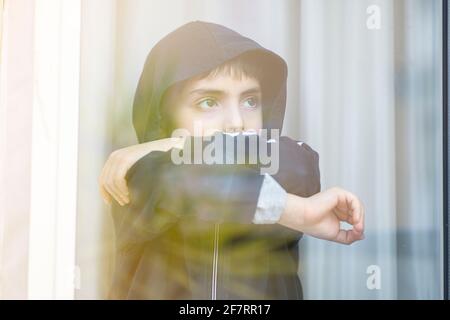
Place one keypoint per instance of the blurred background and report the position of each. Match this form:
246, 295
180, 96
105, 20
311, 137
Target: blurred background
365, 91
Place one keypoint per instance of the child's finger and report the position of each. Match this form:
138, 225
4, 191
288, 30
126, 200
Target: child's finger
347, 236
111, 187
347, 207
359, 226
105, 195
113, 194
354, 208
119, 170
358, 216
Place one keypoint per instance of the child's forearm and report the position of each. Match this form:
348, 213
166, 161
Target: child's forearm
112, 180
293, 213
321, 215
163, 144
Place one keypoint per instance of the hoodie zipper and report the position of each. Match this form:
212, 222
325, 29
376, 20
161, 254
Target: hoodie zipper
215, 263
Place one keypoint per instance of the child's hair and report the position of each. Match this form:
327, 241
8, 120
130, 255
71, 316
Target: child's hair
237, 68
241, 67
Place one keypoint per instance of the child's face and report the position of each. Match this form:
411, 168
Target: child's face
222, 102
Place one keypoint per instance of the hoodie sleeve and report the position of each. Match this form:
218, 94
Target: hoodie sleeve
219, 193
162, 193
299, 171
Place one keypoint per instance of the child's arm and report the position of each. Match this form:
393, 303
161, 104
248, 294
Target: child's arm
230, 196
112, 180
298, 173
231, 193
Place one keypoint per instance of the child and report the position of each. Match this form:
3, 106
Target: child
215, 231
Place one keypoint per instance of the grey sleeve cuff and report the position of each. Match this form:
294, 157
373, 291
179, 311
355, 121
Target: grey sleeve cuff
271, 202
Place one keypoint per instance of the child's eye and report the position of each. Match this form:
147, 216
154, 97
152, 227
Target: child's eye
206, 104
251, 102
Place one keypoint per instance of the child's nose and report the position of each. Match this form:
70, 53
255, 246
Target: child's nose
233, 120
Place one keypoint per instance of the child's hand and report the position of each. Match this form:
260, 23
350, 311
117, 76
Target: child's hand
320, 215
112, 180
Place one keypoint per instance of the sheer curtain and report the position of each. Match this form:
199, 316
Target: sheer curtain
365, 94
370, 102
39, 67
15, 142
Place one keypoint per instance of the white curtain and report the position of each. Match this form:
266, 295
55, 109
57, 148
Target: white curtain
364, 90
15, 142
39, 68
370, 102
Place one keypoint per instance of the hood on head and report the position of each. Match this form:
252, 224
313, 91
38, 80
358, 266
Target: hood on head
191, 50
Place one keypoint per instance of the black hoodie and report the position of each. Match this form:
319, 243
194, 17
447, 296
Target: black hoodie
188, 231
